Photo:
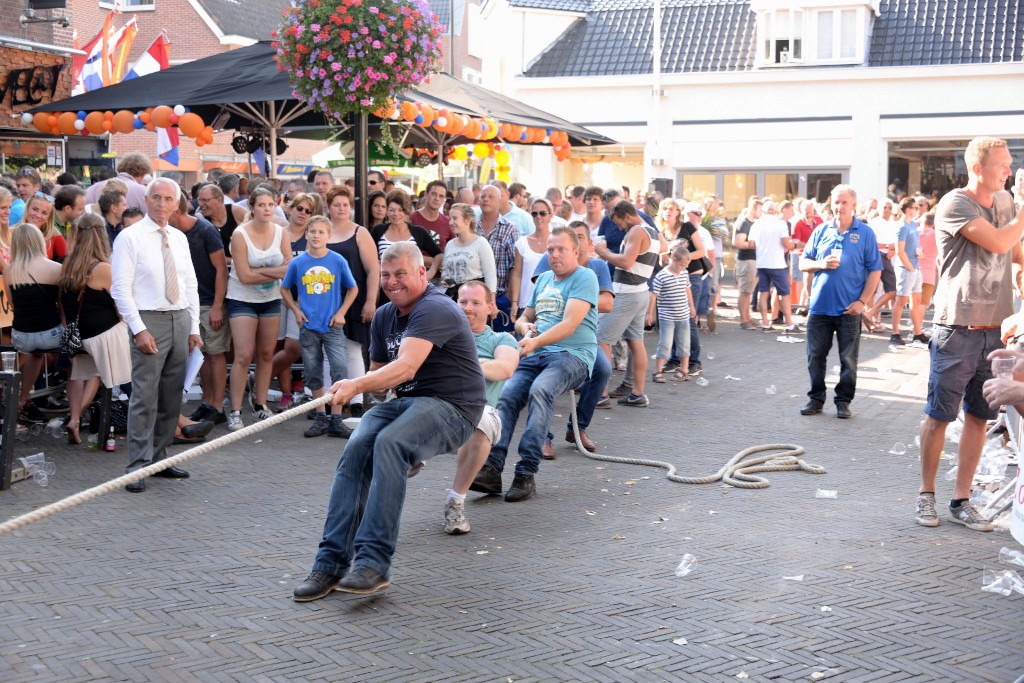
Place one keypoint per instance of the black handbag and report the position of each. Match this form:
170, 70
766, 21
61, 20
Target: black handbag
71, 337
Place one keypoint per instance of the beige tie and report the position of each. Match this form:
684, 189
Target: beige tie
170, 272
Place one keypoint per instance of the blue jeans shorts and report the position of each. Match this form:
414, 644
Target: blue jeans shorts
959, 368
247, 309
773, 277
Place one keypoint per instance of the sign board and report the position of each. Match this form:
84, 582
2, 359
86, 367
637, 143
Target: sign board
379, 156
295, 169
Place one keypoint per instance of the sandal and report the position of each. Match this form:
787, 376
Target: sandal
659, 377
680, 376
73, 435
869, 324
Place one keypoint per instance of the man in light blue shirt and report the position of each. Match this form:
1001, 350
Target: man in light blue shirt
559, 348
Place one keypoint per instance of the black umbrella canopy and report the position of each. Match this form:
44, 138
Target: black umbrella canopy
243, 89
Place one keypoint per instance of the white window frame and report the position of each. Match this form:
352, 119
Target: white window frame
122, 6
768, 30
859, 34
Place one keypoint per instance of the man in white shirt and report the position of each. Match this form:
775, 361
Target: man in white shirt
770, 237
154, 286
886, 230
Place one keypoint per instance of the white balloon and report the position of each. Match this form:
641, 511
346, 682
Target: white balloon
26, 119
440, 123
179, 109
79, 124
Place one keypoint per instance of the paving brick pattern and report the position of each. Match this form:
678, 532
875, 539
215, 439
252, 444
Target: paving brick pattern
192, 580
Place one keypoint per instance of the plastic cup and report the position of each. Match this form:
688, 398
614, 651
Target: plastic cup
686, 565
1003, 367
9, 361
837, 254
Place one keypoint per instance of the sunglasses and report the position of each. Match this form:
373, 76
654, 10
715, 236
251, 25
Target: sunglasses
539, 213
373, 182
43, 195
25, 173
302, 209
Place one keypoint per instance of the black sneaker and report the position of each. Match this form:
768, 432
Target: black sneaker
812, 408
671, 366
363, 581
488, 480
896, 340
318, 428
621, 390
203, 412
30, 414
694, 370
337, 428
635, 401
523, 487
920, 341
604, 403
316, 586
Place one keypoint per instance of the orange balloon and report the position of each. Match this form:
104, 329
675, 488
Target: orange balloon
151, 126
161, 116
409, 111
458, 124
123, 121
144, 116
207, 134
427, 112
200, 142
66, 123
191, 124
94, 122
42, 122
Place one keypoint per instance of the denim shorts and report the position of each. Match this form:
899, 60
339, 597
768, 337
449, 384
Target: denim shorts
247, 309
30, 342
908, 282
959, 368
773, 277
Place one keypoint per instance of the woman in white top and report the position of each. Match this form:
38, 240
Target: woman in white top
260, 254
467, 256
529, 251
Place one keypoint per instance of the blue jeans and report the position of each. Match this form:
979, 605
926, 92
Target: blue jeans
673, 338
314, 346
820, 330
592, 391
369, 484
539, 378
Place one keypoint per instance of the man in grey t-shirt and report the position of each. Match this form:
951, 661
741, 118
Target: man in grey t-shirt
979, 238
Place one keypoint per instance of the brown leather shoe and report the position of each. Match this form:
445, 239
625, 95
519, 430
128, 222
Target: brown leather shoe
584, 439
548, 451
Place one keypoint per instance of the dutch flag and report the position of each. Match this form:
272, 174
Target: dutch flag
154, 59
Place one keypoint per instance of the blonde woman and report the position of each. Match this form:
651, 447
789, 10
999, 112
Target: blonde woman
467, 256
39, 212
85, 297
30, 281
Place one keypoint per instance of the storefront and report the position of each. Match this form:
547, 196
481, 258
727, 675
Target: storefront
32, 74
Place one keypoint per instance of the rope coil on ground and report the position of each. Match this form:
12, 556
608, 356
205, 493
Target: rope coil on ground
738, 471
150, 470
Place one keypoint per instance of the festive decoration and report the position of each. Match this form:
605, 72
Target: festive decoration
347, 56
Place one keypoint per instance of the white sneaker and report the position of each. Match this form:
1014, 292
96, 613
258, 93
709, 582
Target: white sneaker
235, 421
262, 413
455, 521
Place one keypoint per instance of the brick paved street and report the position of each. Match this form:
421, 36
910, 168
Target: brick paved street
192, 580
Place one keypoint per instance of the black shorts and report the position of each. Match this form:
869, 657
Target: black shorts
888, 275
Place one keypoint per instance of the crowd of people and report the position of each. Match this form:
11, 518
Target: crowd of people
472, 305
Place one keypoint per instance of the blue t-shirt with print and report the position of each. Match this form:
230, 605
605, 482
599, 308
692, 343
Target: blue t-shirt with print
908, 234
833, 290
486, 343
549, 299
321, 284
599, 266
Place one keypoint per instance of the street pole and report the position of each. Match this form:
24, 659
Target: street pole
361, 139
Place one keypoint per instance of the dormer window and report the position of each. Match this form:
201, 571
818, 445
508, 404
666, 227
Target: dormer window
812, 32
780, 35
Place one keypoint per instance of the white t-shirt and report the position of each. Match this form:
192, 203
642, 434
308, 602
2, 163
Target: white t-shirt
709, 244
886, 231
767, 233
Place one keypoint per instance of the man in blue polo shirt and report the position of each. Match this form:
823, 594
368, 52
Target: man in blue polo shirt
843, 256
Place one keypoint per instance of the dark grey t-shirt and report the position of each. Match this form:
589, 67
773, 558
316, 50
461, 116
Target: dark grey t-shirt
975, 286
203, 240
451, 371
745, 254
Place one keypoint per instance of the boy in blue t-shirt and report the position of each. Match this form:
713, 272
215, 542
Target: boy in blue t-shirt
326, 291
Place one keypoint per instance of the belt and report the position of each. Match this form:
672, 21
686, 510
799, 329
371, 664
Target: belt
975, 327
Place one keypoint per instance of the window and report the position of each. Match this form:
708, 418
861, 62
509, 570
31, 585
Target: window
129, 5
837, 38
780, 34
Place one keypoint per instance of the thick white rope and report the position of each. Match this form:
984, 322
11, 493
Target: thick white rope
150, 470
738, 471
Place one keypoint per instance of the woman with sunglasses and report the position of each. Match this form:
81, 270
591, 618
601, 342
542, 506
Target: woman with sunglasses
39, 212
30, 282
467, 256
529, 250
85, 297
302, 207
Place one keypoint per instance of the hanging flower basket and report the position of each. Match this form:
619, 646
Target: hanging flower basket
351, 56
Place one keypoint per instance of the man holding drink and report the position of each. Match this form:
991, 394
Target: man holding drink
843, 257
978, 230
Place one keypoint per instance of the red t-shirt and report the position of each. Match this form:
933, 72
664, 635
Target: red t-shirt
440, 229
56, 248
802, 230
